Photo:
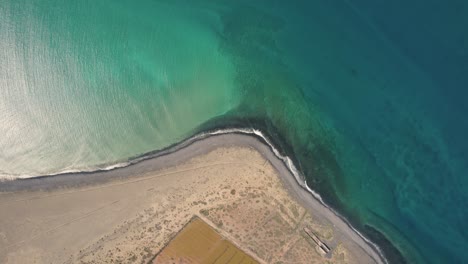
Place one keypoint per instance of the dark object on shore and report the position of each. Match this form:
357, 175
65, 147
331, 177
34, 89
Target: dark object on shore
319, 242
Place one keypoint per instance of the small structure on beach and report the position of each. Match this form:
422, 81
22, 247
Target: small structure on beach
324, 248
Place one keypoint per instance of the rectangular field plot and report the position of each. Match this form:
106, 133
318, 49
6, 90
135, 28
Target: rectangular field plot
199, 243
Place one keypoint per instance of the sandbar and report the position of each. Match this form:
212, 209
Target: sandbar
234, 182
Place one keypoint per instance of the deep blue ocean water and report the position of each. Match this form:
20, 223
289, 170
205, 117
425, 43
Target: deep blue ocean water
368, 97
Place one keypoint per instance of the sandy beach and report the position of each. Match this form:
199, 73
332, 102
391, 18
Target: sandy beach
234, 182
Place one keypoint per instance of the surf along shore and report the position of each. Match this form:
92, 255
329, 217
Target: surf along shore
128, 213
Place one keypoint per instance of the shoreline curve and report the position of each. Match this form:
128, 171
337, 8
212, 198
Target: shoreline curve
200, 144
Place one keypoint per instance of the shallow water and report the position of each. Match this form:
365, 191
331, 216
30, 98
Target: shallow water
367, 98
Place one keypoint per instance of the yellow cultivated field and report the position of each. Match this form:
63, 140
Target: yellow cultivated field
199, 243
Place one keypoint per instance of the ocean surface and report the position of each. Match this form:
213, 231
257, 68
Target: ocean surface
369, 98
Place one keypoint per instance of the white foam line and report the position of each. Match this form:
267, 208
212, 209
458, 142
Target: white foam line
6, 177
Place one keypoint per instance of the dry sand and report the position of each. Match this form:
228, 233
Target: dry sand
233, 182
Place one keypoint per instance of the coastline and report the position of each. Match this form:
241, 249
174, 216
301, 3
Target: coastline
191, 148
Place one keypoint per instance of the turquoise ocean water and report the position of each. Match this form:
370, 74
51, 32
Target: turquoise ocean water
368, 97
